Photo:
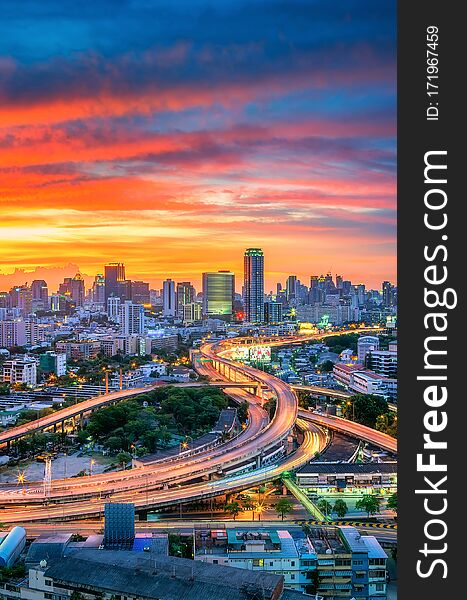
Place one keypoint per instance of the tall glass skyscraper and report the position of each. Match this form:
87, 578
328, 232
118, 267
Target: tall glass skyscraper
253, 285
218, 294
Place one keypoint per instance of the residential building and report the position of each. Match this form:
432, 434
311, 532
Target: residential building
113, 308
12, 333
383, 362
192, 312
186, 294
53, 362
272, 312
365, 344
19, 371
335, 562
79, 350
131, 318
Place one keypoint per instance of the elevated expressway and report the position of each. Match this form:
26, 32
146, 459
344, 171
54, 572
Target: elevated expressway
158, 485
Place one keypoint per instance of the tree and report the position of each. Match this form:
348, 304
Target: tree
365, 408
123, 458
324, 506
233, 508
326, 366
392, 502
242, 411
370, 504
340, 508
284, 507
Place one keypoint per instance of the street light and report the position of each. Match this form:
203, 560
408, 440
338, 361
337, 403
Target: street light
91, 464
259, 510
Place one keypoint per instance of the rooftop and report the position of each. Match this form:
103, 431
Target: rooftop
164, 578
349, 468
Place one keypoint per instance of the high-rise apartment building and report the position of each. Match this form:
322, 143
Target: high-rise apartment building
218, 294
272, 312
169, 298
132, 318
185, 295
12, 333
113, 308
253, 285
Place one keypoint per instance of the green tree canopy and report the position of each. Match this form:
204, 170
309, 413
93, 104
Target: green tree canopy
370, 504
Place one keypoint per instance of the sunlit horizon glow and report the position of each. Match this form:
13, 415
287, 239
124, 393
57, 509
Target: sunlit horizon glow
171, 137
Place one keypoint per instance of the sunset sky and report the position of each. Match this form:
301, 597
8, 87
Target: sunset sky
172, 135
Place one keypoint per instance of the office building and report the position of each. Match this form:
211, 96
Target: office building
365, 344
347, 478
119, 525
218, 294
114, 274
140, 292
12, 333
389, 294
253, 285
21, 297
272, 312
40, 294
291, 288
185, 295
98, 289
192, 312
169, 298
53, 362
131, 318
19, 371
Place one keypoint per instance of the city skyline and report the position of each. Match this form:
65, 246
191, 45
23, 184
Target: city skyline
173, 142
194, 279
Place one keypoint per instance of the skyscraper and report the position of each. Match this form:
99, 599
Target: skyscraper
114, 278
291, 287
40, 291
168, 298
140, 292
98, 289
218, 294
253, 285
77, 289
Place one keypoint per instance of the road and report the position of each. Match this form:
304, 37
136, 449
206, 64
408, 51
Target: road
314, 441
86, 406
382, 440
148, 486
